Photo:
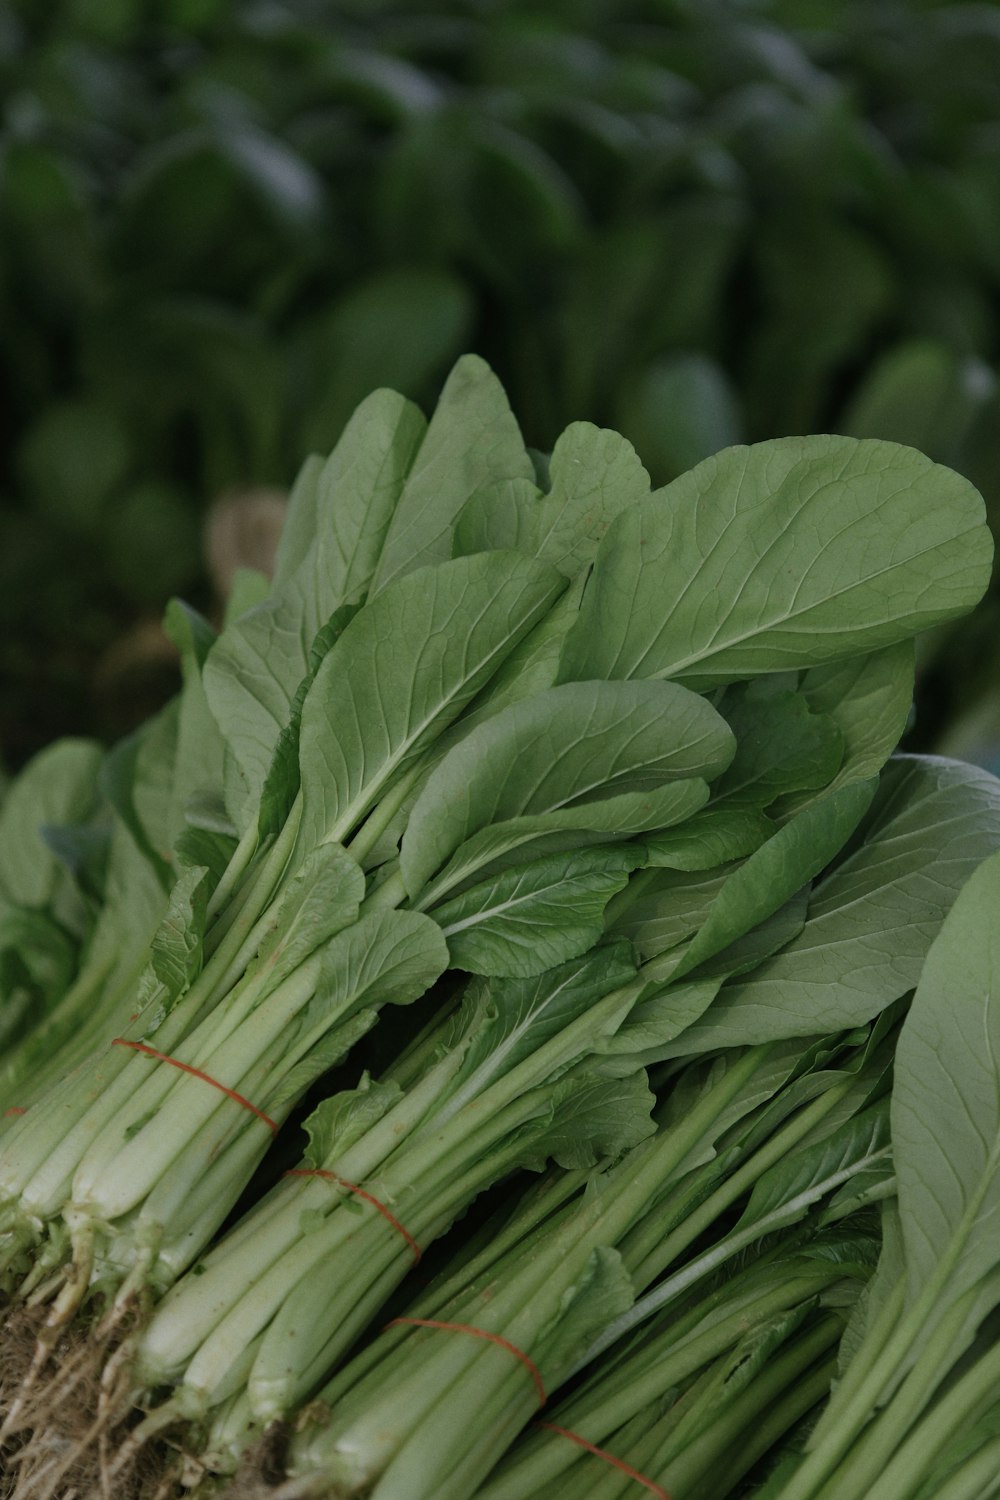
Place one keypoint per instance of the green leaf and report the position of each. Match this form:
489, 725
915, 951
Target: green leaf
610, 819
137, 778
529, 669
177, 950
512, 1018
670, 907
530, 917
318, 901
404, 667
38, 960
358, 489
323, 1054
602, 1294
775, 871
787, 1191
788, 554
134, 903
500, 515
874, 916
594, 1119
869, 699
946, 1097
262, 657
208, 847
889, 1271
198, 760
659, 1019
59, 785
780, 747
756, 943
554, 757
281, 783
298, 531
344, 1118
385, 958
714, 836
595, 474
472, 439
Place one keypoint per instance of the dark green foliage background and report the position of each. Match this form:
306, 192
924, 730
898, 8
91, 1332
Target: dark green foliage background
222, 224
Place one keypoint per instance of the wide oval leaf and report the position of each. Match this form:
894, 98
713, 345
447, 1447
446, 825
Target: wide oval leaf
786, 554
573, 744
406, 665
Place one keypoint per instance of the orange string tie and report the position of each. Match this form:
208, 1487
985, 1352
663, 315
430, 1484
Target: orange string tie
482, 1333
175, 1062
360, 1192
609, 1458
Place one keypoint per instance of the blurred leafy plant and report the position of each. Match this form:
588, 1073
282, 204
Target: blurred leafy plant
701, 221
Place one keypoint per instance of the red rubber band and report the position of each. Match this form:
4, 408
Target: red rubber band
197, 1073
616, 1463
483, 1333
360, 1192
16, 1109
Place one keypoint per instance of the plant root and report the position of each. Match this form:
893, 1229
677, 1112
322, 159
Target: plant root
66, 1398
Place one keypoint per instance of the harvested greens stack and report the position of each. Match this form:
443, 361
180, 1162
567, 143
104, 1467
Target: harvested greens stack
594, 778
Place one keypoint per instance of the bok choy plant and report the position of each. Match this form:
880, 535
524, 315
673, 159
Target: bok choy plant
498, 712
390, 1408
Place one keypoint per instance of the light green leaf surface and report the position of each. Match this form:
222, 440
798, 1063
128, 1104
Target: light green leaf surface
791, 553
137, 779
670, 907
321, 898
198, 759
946, 1095
298, 529
176, 955
781, 747
774, 872
253, 672
59, 785
385, 958
472, 440
515, 1017
874, 916
869, 699
535, 915
281, 781
571, 745
602, 1294
787, 1190
594, 475
594, 1118
402, 670
714, 836
344, 1117
500, 515
610, 819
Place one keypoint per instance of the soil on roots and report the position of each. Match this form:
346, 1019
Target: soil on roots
261, 1470
67, 1415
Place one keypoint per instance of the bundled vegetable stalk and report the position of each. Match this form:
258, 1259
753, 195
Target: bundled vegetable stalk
271, 1309
691, 1403
493, 711
914, 1413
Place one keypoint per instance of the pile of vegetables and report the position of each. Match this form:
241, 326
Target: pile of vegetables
536, 841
